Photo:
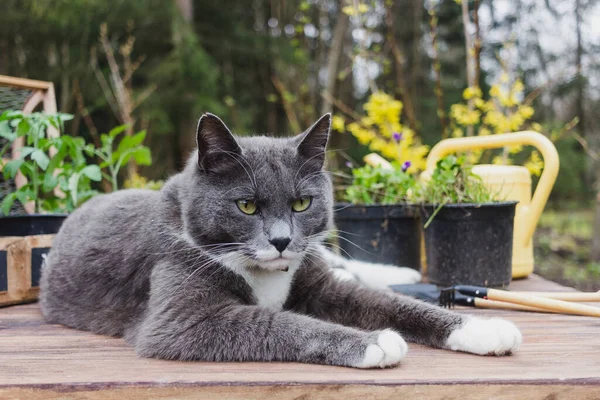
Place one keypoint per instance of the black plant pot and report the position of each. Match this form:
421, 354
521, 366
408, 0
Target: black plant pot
389, 234
33, 224
470, 244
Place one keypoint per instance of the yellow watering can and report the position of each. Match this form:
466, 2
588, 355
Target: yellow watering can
511, 183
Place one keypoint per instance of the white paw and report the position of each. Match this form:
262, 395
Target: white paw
485, 337
388, 351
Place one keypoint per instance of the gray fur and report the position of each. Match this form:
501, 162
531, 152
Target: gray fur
148, 265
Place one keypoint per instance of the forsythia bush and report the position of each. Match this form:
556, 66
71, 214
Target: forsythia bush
381, 130
505, 111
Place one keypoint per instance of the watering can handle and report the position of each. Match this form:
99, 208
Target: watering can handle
539, 141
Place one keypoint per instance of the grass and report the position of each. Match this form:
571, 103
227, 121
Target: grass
562, 249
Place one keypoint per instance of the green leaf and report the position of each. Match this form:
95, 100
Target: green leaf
7, 132
11, 168
53, 121
7, 202
49, 183
23, 128
93, 172
114, 132
65, 117
73, 184
142, 156
25, 151
57, 159
15, 114
41, 159
130, 142
24, 194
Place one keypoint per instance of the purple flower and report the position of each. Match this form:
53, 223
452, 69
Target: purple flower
397, 136
406, 166
349, 164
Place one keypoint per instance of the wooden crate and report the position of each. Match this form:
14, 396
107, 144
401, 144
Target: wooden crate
21, 261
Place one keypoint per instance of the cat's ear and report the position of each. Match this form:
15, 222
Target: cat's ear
312, 143
216, 145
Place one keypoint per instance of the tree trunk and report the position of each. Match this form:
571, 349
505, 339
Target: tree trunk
477, 44
468, 61
187, 124
401, 81
186, 9
595, 251
578, 66
333, 61
437, 68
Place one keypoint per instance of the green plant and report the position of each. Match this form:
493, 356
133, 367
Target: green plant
453, 182
113, 159
58, 175
376, 185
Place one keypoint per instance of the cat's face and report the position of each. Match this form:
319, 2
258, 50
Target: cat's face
259, 202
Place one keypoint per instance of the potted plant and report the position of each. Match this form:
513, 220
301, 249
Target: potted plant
57, 175
57, 169
468, 232
378, 224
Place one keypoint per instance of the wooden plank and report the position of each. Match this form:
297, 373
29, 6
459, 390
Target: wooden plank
19, 267
559, 358
5, 295
23, 83
307, 392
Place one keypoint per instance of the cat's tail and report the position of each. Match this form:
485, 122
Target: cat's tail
374, 276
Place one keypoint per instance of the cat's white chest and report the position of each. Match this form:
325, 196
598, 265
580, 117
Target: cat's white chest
271, 288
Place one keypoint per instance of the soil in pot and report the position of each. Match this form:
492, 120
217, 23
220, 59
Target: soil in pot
470, 244
32, 224
388, 234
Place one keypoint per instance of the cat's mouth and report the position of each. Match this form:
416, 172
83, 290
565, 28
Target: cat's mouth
276, 264
282, 262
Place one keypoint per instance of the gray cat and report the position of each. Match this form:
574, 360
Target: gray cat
225, 263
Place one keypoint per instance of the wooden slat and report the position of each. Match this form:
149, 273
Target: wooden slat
560, 358
24, 83
18, 257
307, 392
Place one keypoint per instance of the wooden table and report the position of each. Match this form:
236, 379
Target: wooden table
559, 358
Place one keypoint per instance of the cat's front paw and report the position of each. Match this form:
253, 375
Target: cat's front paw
386, 351
485, 337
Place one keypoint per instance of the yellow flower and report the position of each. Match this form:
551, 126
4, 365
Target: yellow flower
536, 127
483, 131
457, 132
526, 112
377, 127
495, 91
463, 116
472, 92
351, 11
535, 164
337, 123
518, 86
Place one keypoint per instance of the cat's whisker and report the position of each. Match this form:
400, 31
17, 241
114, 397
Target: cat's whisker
346, 254
352, 243
310, 158
196, 247
307, 178
195, 271
235, 157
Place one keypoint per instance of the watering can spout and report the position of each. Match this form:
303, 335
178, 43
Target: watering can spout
529, 212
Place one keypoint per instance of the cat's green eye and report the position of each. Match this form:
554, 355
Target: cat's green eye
247, 206
301, 204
